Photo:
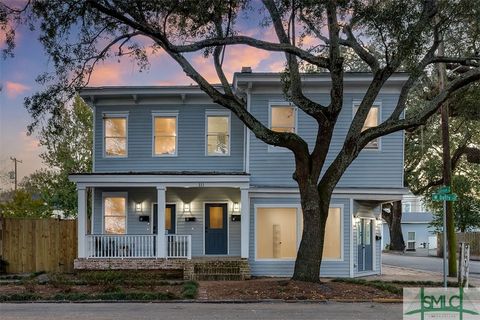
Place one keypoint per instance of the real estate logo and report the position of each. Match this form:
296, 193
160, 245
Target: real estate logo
441, 303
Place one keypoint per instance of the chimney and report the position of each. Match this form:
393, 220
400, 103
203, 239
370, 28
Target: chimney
246, 69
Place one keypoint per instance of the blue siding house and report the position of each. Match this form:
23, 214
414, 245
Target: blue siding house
169, 154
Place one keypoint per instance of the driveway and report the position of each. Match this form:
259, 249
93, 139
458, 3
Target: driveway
434, 264
199, 311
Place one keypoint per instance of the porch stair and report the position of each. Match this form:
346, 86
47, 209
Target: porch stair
217, 269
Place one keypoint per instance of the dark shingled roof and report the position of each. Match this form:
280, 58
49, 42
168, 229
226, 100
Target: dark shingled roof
164, 173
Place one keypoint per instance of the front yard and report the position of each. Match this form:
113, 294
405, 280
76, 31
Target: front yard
158, 286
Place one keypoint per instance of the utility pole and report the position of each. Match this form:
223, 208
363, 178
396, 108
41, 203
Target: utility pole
449, 229
15, 160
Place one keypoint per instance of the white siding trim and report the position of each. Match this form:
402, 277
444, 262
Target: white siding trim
352, 270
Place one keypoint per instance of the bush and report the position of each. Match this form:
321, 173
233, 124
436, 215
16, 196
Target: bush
190, 290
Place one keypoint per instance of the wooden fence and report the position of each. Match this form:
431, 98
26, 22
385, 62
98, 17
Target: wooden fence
30, 245
472, 238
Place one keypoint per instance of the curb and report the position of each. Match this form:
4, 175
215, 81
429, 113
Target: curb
272, 301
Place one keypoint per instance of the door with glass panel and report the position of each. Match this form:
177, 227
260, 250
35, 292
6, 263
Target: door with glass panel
170, 220
365, 244
216, 228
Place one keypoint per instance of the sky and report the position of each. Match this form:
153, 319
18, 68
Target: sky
17, 79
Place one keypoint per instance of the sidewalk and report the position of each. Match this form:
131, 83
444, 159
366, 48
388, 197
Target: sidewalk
391, 273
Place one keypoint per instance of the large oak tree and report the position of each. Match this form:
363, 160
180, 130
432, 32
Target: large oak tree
386, 35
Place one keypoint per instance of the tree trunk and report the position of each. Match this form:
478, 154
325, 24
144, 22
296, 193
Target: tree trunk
394, 221
315, 207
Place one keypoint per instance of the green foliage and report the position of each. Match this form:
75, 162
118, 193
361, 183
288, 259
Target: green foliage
24, 205
424, 163
190, 290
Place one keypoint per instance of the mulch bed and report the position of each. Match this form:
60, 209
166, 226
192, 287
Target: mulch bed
269, 288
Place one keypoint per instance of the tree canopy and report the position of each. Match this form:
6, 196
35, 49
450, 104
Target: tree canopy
387, 36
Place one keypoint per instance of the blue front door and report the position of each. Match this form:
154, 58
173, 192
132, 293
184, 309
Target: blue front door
216, 228
365, 244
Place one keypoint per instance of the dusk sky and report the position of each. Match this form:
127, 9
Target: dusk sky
17, 78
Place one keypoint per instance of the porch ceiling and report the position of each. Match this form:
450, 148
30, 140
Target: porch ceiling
162, 179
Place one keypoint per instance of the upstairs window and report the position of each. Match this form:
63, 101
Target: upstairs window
283, 118
115, 214
165, 135
218, 135
115, 136
371, 121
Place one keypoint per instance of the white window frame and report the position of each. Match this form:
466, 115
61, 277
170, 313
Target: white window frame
215, 113
115, 195
106, 115
273, 104
299, 229
414, 241
375, 104
409, 205
161, 114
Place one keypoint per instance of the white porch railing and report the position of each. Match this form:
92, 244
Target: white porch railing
137, 246
120, 246
179, 246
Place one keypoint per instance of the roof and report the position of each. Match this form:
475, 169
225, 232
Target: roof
417, 217
164, 173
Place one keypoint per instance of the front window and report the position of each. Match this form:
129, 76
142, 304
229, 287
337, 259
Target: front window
282, 119
370, 122
406, 207
277, 233
115, 136
115, 215
218, 135
165, 136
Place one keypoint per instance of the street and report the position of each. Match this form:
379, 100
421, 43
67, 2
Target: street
183, 311
424, 263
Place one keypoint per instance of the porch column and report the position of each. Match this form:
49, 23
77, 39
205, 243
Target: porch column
161, 246
245, 225
82, 221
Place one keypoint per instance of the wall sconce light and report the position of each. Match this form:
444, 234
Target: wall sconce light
236, 207
187, 213
138, 207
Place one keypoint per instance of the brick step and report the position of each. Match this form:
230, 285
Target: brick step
218, 277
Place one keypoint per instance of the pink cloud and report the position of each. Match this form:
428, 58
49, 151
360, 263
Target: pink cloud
108, 74
13, 89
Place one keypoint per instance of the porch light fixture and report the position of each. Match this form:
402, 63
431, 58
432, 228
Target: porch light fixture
138, 207
236, 207
187, 213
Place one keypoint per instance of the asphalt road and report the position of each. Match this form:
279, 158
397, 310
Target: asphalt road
424, 263
199, 311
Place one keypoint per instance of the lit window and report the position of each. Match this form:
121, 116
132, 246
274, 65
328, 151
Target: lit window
115, 136
282, 119
115, 215
277, 237
276, 233
218, 135
371, 121
165, 135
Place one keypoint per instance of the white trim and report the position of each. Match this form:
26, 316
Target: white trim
204, 204
115, 194
157, 114
247, 135
115, 114
166, 203
277, 103
414, 240
94, 135
352, 266
376, 104
218, 113
92, 218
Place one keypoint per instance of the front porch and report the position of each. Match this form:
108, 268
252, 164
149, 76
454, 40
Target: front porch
203, 215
